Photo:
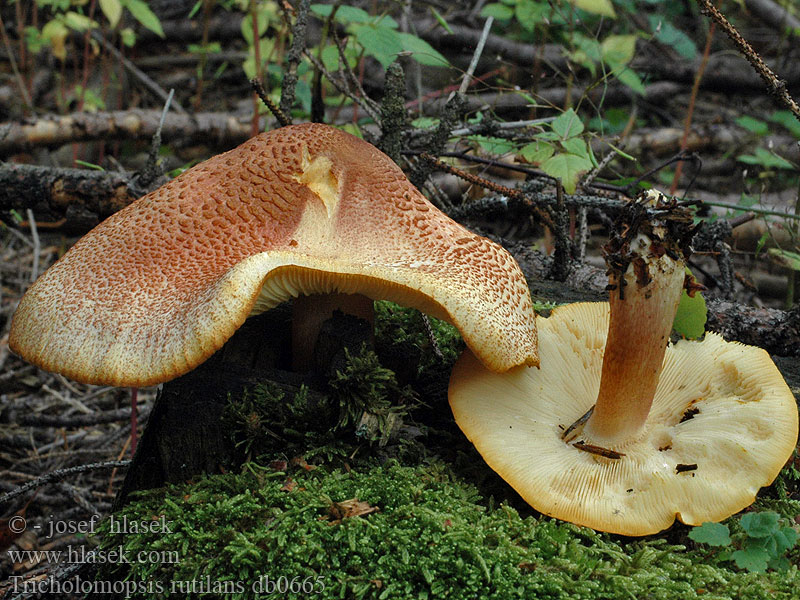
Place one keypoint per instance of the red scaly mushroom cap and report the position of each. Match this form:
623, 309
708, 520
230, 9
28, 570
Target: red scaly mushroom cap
158, 287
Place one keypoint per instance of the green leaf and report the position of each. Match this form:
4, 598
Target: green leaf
422, 51
112, 9
382, 43
142, 13
760, 524
568, 124
788, 120
713, 534
78, 22
596, 7
577, 146
330, 58
669, 35
589, 45
34, 40
262, 22
690, 318
493, 145
128, 36
91, 101
425, 122
618, 49
756, 126
537, 152
530, 13
779, 563
568, 168
761, 241
785, 538
746, 201
764, 158
629, 77
752, 559
345, 14
785, 258
55, 33
548, 136
500, 12
441, 20
88, 165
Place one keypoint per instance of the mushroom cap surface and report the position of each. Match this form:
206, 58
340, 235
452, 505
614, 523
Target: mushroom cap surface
158, 287
722, 425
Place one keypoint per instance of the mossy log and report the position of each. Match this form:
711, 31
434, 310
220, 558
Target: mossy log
185, 437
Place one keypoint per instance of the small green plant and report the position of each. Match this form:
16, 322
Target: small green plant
762, 544
364, 386
401, 331
266, 421
64, 16
560, 151
690, 318
376, 36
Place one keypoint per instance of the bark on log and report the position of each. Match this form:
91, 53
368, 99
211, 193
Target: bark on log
185, 438
219, 130
79, 197
724, 72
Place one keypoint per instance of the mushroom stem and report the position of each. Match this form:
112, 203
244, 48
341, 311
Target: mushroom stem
643, 305
310, 312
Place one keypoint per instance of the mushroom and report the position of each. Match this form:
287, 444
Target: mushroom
690, 430
158, 287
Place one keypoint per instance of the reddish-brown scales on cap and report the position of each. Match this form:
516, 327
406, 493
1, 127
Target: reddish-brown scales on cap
157, 288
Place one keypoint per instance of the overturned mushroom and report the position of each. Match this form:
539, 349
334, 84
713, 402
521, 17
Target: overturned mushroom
157, 288
690, 430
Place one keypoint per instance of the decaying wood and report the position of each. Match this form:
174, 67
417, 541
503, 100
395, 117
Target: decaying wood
219, 130
184, 437
75, 198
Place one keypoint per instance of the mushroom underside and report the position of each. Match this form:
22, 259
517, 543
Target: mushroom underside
161, 337
722, 424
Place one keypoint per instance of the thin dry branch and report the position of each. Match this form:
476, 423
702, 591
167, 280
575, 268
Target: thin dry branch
59, 474
775, 85
218, 129
294, 56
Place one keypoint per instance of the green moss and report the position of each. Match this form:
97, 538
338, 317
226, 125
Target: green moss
402, 332
365, 386
431, 537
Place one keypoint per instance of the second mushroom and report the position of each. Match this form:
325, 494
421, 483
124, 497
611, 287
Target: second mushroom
619, 430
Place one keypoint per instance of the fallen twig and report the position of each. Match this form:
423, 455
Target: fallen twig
60, 474
775, 85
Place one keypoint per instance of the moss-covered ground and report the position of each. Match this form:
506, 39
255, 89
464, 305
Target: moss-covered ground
373, 493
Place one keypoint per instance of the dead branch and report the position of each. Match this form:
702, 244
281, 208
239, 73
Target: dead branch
110, 416
58, 474
776, 86
216, 129
79, 197
294, 56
